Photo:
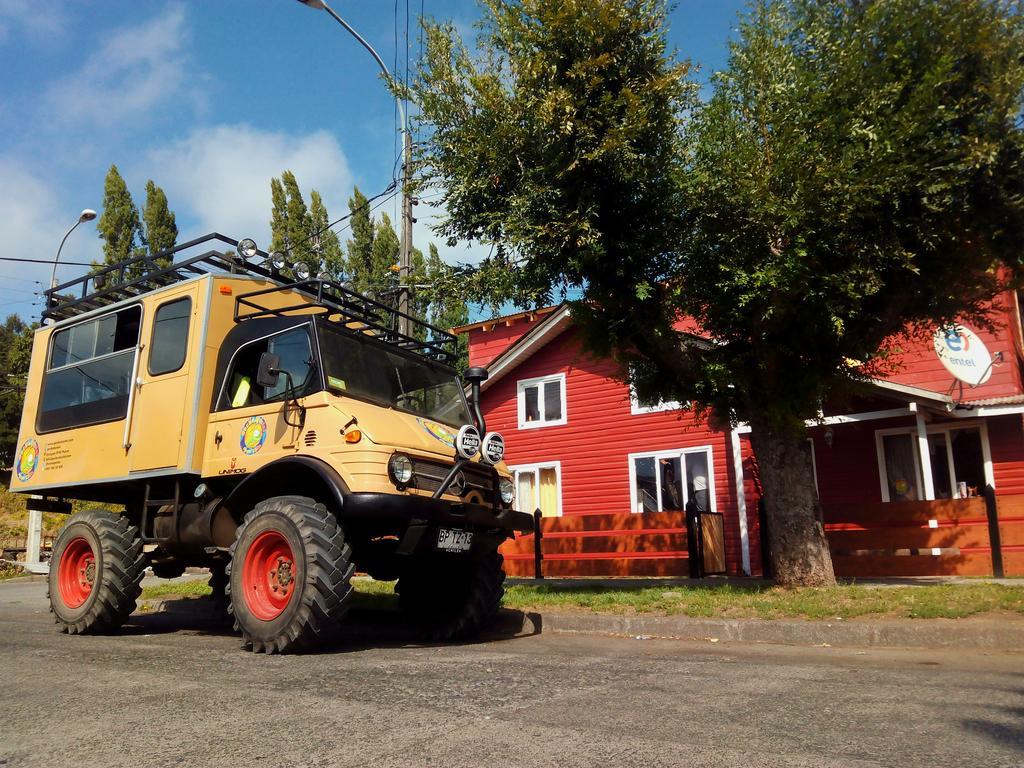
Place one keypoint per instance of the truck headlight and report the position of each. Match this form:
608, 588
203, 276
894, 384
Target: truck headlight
507, 491
400, 469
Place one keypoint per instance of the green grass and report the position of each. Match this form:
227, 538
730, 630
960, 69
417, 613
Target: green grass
727, 601
197, 588
952, 601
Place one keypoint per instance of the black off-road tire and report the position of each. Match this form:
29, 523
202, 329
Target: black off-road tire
322, 570
117, 570
452, 597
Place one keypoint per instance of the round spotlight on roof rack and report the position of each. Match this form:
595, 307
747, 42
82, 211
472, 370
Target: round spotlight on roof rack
347, 285
325, 276
277, 261
247, 248
302, 270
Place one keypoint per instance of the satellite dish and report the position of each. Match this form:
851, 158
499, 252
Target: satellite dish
963, 354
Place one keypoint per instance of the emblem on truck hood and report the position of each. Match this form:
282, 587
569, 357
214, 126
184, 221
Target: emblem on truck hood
438, 431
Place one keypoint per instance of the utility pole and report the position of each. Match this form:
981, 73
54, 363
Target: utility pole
404, 266
404, 261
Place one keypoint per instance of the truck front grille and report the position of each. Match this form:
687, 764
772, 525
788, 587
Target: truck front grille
430, 474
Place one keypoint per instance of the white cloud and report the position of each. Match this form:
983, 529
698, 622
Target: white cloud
220, 176
32, 226
35, 19
135, 71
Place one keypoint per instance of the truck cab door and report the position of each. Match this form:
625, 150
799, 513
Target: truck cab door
253, 424
162, 386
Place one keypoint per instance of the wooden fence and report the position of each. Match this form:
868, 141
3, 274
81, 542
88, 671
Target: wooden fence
604, 545
949, 537
651, 544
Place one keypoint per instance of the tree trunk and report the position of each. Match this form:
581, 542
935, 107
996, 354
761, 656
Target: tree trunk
799, 551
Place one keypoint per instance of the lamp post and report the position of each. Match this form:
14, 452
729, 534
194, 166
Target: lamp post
404, 268
87, 215
33, 539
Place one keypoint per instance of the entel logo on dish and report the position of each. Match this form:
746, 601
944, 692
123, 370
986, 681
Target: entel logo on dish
963, 354
957, 341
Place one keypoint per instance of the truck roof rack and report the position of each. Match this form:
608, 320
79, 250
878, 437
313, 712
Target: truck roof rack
353, 312
110, 283
113, 283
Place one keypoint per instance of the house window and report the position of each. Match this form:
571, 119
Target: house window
957, 456
538, 486
669, 481
88, 379
638, 405
542, 401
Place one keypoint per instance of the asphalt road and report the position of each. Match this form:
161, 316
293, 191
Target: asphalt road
173, 690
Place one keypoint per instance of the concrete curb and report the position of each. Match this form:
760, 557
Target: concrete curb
974, 633
907, 633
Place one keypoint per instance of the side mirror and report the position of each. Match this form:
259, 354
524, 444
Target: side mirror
269, 372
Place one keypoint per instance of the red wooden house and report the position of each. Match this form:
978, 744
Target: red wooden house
902, 470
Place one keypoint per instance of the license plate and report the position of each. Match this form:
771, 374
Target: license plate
454, 541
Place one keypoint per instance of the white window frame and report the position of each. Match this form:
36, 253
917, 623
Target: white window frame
539, 382
535, 469
679, 453
933, 429
636, 409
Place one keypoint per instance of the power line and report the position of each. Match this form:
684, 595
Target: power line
372, 209
46, 261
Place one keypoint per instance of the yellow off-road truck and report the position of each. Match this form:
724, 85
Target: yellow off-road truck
282, 430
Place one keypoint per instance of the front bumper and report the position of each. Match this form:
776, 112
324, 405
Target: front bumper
427, 509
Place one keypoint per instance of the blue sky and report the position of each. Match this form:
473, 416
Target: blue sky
210, 99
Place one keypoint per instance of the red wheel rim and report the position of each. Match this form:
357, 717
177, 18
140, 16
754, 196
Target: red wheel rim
76, 573
268, 576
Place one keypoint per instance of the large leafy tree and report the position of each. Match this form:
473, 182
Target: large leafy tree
15, 350
119, 225
443, 297
161, 228
858, 168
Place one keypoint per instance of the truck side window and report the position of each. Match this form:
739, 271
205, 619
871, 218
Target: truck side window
88, 378
169, 345
296, 354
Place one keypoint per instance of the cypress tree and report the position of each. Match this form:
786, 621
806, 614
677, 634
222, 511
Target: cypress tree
119, 225
161, 228
299, 225
278, 216
325, 241
360, 247
382, 276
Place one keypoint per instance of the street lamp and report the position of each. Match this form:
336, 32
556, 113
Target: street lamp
87, 215
404, 266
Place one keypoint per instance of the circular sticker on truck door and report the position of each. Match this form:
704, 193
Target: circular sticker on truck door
28, 460
254, 434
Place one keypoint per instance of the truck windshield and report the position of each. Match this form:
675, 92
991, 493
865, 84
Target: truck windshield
367, 370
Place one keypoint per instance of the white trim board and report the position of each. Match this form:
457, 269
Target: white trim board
543, 332
848, 418
741, 498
